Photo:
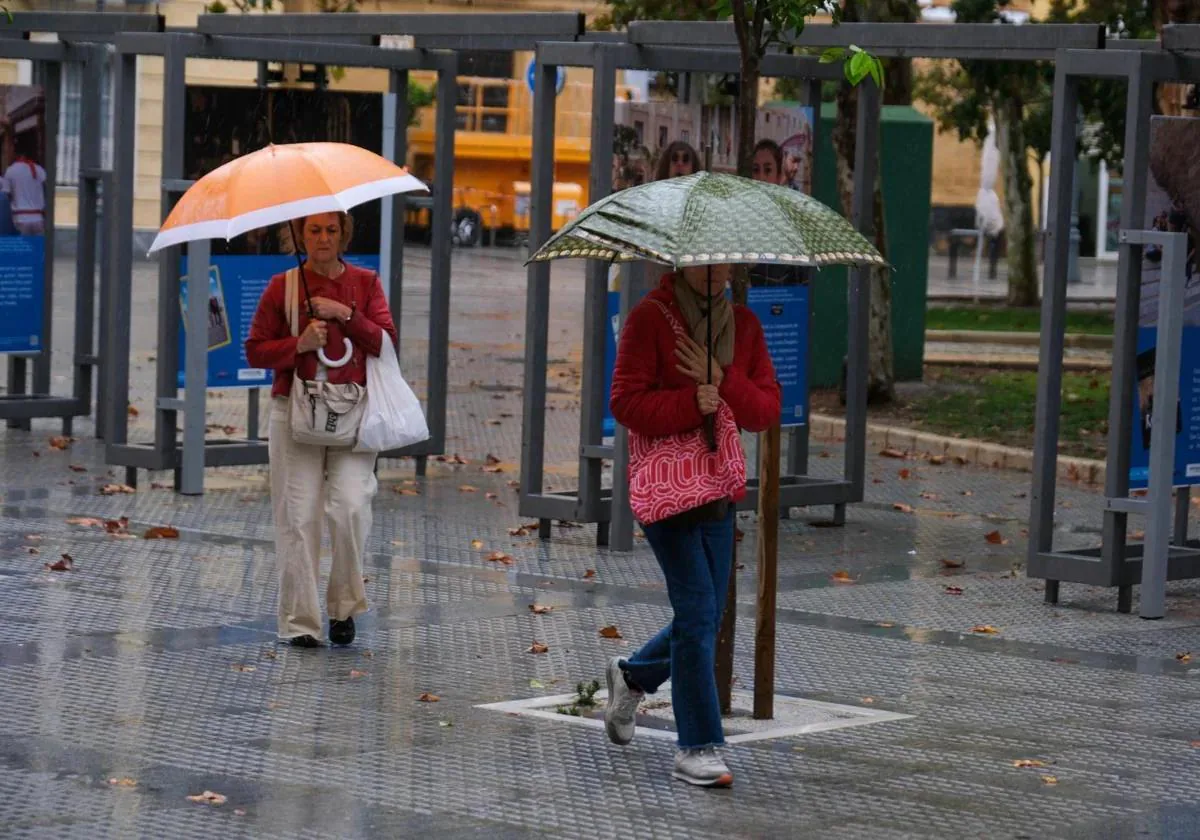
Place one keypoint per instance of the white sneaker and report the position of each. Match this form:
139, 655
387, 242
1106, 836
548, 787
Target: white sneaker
620, 715
702, 767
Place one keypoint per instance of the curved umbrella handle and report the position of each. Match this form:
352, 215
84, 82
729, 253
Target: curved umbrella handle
330, 363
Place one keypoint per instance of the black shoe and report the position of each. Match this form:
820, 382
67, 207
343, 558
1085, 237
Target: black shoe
304, 642
341, 632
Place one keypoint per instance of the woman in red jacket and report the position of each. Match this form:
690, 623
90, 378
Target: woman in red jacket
661, 387
308, 481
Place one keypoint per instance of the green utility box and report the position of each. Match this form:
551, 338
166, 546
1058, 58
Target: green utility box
906, 163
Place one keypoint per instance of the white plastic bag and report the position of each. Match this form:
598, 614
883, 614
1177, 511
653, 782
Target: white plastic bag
393, 416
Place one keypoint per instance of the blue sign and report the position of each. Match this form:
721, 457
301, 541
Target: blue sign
531, 77
1186, 410
22, 285
783, 312
235, 284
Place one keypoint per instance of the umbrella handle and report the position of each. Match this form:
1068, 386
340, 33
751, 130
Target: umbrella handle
342, 362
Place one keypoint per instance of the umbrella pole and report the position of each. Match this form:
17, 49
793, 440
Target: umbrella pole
710, 422
300, 268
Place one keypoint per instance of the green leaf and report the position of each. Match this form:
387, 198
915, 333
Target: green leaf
877, 72
858, 67
833, 55
723, 8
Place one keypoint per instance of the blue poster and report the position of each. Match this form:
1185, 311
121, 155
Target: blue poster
1186, 410
22, 284
783, 312
235, 284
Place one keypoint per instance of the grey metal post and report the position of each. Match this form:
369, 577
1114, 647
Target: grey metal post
1138, 108
866, 168
119, 220
633, 283
595, 308
195, 375
537, 295
51, 78
91, 98
253, 399
167, 364
1054, 323
443, 210
1076, 235
1183, 499
1162, 432
108, 246
396, 149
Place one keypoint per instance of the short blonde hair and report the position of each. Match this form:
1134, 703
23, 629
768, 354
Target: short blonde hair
287, 241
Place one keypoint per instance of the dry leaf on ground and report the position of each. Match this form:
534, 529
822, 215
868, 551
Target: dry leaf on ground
500, 557
610, 632
79, 468
589, 574
868, 700
842, 577
243, 668
406, 491
930, 497
85, 522
492, 460
209, 798
428, 698
125, 782
905, 474
538, 647
161, 532
116, 490
493, 470
996, 538
540, 609
467, 488
1050, 780
477, 544
986, 629
356, 674
133, 412
60, 443
892, 453
1028, 762
954, 590
937, 460
903, 508
523, 530
65, 564
952, 564
1186, 656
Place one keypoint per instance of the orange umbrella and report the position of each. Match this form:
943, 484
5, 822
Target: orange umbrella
278, 184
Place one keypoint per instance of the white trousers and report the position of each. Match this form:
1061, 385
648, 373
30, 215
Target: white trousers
306, 483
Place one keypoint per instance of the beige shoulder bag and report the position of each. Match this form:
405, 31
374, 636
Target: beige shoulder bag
320, 413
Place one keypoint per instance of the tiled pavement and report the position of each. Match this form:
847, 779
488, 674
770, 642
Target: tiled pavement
155, 662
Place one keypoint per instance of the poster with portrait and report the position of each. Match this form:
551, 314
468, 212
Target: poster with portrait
1172, 204
224, 123
23, 195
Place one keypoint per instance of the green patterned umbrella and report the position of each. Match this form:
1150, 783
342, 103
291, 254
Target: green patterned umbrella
711, 218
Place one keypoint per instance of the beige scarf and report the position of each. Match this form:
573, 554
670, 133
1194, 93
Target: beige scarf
694, 307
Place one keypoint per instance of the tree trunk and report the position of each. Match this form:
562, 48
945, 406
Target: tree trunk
747, 106
1018, 202
881, 378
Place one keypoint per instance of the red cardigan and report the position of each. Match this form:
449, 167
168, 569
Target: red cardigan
272, 345
651, 397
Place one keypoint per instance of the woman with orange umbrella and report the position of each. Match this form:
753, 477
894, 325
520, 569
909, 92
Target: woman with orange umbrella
317, 469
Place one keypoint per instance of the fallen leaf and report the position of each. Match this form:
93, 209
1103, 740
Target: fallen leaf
884, 624
445, 724
540, 684
589, 574
1050, 780
868, 700
406, 491
842, 577
355, 674
1186, 656
493, 470
538, 647
953, 564
60, 443
66, 564
610, 632
210, 798
492, 460
77, 468
491, 497
968, 492
903, 508
32, 550
1028, 762
245, 669
238, 812
954, 590
85, 522
540, 609
477, 544
500, 557
117, 526
1195, 744
467, 488
428, 698
133, 412
937, 460
523, 530
905, 474
161, 532
123, 783
996, 538
931, 497
986, 629
116, 490
514, 484
892, 453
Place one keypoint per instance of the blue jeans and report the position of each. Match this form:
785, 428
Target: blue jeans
696, 562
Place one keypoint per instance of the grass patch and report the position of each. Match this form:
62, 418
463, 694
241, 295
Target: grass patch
1010, 319
994, 406
584, 702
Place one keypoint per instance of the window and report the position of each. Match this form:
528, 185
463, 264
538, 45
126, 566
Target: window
70, 117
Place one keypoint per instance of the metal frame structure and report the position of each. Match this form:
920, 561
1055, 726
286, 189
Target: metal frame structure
712, 47
1116, 562
164, 452
81, 39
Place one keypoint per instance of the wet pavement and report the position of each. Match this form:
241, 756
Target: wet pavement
149, 673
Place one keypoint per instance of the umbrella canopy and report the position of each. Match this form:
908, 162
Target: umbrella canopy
710, 218
278, 184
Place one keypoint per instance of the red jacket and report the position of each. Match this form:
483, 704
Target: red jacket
651, 397
272, 345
